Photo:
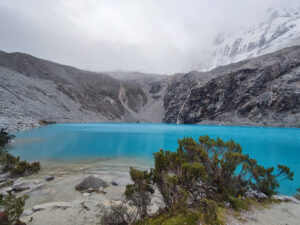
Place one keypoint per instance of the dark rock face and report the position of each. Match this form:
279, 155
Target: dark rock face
260, 91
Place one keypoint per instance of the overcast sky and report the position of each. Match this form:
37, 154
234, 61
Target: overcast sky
160, 36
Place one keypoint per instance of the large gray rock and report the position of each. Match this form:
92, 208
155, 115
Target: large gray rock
19, 188
91, 182
256, 194
49, 177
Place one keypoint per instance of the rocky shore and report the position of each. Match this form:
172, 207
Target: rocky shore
79, 192
12, 124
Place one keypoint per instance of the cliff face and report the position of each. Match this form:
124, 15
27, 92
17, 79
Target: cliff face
260, 91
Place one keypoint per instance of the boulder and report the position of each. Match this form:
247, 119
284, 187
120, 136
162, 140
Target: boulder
49, 177
19, 188
256, 194
114, 183
261, 195
91, 182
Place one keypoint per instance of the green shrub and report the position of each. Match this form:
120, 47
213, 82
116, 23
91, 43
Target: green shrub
11, 208
183, 217
10, 163
238, 204
118, 215
5, 137
139, 193
200, 173
23, 168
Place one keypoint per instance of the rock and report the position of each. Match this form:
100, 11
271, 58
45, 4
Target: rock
278, 197
292, 199
49, 177
52, 205
286, 198
90, 190
250, 194
91, 182
86, 195
27, 212
9, 189
256, 194
19, 188
114, 183
261, 195
5, 193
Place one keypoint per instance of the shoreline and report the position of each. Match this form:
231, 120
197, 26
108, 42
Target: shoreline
27, 123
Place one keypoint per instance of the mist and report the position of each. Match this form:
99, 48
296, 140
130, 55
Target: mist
158, 36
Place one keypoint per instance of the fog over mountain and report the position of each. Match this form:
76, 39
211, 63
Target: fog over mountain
148, 36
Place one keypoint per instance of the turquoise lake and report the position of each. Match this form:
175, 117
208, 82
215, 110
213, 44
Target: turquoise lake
270, 146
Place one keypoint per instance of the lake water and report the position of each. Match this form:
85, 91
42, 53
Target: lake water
270, 146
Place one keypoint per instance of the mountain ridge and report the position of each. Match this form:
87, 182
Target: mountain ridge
37, 89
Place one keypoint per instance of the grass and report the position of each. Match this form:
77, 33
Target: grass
185, 217
194, 216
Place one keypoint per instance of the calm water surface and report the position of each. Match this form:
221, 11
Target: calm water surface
270, 146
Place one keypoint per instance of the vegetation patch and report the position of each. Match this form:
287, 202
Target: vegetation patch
11, 206
13, 164
193, 182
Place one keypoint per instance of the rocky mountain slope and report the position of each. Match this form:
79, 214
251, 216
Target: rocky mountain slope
278, 29
260, 91
43, 90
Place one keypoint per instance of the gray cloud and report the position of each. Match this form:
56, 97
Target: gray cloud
162, 36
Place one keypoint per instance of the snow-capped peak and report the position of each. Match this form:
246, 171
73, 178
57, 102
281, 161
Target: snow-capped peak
278, 29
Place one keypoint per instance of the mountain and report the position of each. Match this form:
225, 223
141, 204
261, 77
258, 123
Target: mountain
278, 29
260, 91
263, 91
35, 88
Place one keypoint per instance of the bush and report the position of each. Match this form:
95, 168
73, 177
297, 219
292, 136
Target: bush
200, 173
11, 208
10, 163
5, 137
118, 215
139, 193
23, 168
